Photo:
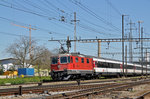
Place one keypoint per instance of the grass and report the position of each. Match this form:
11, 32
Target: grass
24, 80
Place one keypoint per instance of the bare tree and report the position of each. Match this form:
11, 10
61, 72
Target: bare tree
20, 51
44, 60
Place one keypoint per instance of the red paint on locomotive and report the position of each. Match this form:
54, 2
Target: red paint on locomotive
71, 62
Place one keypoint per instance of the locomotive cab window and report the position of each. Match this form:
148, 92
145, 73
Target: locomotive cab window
82, 60
54, 60
68, 59
87, 60
76, 59
63, 59
71, 60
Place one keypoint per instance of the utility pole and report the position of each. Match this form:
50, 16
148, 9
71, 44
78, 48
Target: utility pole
126, 57
146, 60
75, 38
142, 49
123, 42
99, 48
29, 36
139, 22
130, 42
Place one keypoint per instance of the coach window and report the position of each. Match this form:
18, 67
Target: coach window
82, 60
99, 64
76, 59
87, 60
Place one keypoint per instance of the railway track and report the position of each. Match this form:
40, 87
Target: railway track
61, 87
98, 90
144, 96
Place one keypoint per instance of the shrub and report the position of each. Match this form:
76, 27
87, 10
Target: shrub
23, 80
1, 71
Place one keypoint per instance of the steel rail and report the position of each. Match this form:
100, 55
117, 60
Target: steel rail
59, 87
97, 90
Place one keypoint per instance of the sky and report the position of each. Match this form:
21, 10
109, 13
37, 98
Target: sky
96, 19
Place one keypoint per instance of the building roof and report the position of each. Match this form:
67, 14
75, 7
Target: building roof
7, 60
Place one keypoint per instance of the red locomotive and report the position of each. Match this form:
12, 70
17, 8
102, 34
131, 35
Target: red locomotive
73, 66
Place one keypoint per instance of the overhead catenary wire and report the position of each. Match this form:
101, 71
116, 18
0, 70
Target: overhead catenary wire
26, 11
113, 7
17, 5
38, 28
48, 2
94, 30
32, 13
46, 11
84, 27
94, 14
17, 35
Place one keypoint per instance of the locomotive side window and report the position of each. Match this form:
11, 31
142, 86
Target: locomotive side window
68, 59
71, 60
82, 60
76, 59
54, 60
63, 59
87, 60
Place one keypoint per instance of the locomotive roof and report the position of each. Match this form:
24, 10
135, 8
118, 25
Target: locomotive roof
82, 55
88, 56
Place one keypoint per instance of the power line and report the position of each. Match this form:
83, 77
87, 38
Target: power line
86, 27
113, 7
92, 29
85, 19
94, 14
54, 6
46, 11
38, 28
16, 4
27, 11
64, 5
96, 25
11, 34
17, 35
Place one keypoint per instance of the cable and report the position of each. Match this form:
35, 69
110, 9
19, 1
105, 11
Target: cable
38, 28
38, 7
96, 25
16, 5
10, 34
92, 29
61, 3
94, 14
54, 6
113, 7
27, 11
88, 28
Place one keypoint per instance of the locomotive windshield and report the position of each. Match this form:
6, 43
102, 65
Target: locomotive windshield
54, 60
63, 59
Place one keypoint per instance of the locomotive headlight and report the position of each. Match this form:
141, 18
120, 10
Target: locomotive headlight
58, 66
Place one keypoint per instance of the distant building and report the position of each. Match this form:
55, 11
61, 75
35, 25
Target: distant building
9, 64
